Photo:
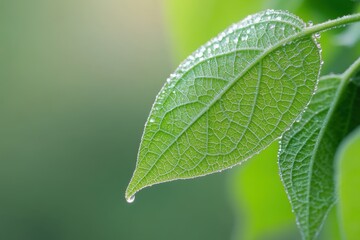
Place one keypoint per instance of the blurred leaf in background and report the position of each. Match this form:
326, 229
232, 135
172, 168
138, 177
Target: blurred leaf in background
348, 177
260, 200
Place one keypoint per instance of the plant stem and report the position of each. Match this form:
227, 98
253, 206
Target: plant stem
353, 69
339, 22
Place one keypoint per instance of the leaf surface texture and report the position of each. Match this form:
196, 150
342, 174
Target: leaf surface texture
229, 100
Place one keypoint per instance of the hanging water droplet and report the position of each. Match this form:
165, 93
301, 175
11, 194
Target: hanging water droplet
310, 23
317, 35
131, 199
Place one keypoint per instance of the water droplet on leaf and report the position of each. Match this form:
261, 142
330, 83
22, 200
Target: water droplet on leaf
131, 199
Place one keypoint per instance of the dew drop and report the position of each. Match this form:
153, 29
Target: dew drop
199, 55
272, 26
216, 46
310, 23
152, 120
244, 38
278, 18
317, 35
131, 199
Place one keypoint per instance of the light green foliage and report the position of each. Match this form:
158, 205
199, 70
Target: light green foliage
308, 149
330, 229
260, 200
348, 180
229, 100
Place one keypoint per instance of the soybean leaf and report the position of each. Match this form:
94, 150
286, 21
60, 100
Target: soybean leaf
229, 100
348, 182
308, 149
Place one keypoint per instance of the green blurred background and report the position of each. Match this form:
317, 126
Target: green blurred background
78, 79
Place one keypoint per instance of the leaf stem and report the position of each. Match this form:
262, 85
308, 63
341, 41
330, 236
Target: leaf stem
339, 22
348, 74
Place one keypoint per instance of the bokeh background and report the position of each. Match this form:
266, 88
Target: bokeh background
78, 79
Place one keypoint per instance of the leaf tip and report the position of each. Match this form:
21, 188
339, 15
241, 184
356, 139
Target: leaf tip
130, 193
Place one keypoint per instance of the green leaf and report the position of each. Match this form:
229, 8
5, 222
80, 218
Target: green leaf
229, 100
308, 149
348, 182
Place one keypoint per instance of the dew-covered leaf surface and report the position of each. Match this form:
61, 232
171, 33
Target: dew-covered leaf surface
229, 100
308, 149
